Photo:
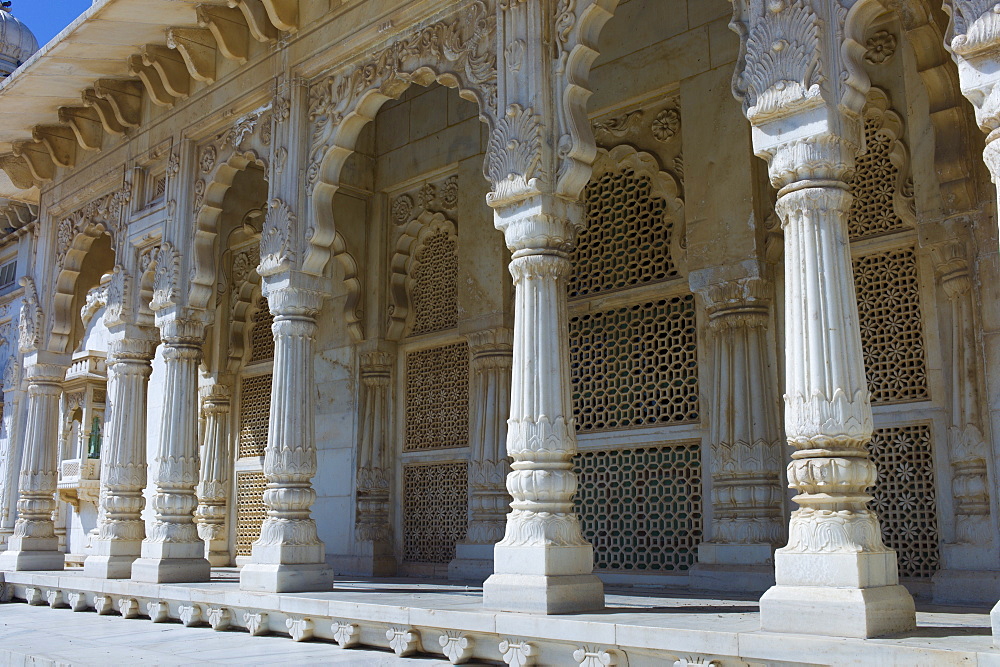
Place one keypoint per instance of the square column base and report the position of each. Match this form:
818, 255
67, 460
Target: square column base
286, 578
543, 594
473, 562
39, 561
108, 567
171, 570
837, 612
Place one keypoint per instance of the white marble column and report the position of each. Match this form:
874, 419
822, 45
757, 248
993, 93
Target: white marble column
34, 545
172, 550
490, 358
213, 487
289, 555
746, 441
372, 527
120, 528
543, 564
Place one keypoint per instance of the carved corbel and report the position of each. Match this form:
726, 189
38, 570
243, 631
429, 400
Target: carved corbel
151, 80
105, 114
123, 97
229, 29
257, 19
171, 68
197, 48
284, 14
59, 141
85, 124
18, 171
37, 159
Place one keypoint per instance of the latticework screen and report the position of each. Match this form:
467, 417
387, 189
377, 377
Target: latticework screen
635, 366
437, 398
905, 497
891, 325
435, 510
255, 406
874, 188
627, 238
261, 336
250, 510
641, 508
435, 287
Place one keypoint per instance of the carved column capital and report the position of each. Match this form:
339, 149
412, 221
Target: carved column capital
952, 266
738, 303
540, 225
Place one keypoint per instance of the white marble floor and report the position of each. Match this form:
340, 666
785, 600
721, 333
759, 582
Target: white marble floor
40, 637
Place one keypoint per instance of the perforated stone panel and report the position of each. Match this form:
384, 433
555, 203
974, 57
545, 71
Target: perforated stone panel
261, 336
435, 510
435, 290
891, 325
627, 238
905, 497
437, 398
874, 188
250, 509
641, 508
635, 366
255, 406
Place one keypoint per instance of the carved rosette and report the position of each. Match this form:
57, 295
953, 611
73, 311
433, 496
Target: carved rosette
491, 358
745, 435
373, 513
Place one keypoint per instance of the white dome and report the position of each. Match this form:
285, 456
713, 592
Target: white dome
17, 43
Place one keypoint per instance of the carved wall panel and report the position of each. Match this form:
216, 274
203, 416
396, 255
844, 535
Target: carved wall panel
906, 497
641, 508
435, 510
437, 398
435, 284
250, 509
255, 404
891, 325
635, 366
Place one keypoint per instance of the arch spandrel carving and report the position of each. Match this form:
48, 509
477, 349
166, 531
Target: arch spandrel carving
457, 51
218, 160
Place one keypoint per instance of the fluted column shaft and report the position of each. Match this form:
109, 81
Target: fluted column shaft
172, 550
747, 520
289, 555
34, 545
543, 564
213, 487
491, 353
373, 516
120, 527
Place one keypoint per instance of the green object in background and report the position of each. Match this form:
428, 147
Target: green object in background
94, 442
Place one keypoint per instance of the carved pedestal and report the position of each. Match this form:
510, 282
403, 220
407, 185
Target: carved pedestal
747, 519
213, 487
491, 356
172, 550
34, 545
289, 555
123, 462
543, 564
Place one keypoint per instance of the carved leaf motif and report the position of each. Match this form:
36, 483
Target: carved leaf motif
782, 60
514, 152
209, 155
275, 241
167, 277
975, 25
118, 289
29, 323
618, 126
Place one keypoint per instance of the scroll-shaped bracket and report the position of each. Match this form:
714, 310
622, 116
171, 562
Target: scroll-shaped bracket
123, 97
150, 78
257, 19
37, 159
197, 48
18, 171
229, 29
171, 68
284, 14
59, 141
85, 124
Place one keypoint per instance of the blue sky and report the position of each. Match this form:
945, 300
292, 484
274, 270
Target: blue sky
47, 17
